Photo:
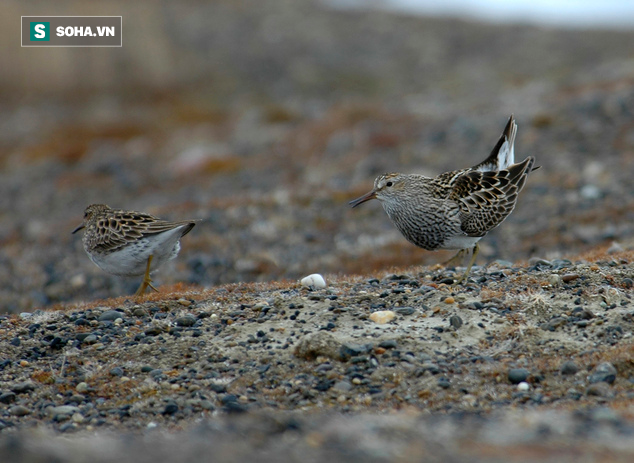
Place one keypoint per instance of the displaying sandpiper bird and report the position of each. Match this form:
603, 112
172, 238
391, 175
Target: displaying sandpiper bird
129, 243
455, 209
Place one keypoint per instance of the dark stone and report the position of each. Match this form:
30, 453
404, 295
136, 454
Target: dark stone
218, 387
388, 344
569, 368
187, 320
604, 372
228, 398
405, 310
431, 367
517, 375
7, 397
153, 331
57, 343
110, 316
116, 371
324, 385
444, 383
235, 407
599, 390
15, 342
353, 350
170, 409
23, 387
455, 321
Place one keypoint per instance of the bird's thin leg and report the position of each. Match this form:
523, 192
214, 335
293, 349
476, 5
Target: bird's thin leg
147, 281
474, 254
459, 255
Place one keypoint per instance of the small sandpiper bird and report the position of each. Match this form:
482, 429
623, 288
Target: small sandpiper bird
129, 243
456, 209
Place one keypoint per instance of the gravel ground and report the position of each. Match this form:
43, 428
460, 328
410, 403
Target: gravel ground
518, 364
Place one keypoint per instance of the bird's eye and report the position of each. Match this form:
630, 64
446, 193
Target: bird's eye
389, 184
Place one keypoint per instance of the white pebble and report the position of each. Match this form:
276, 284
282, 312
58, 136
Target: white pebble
523, 386
314, 281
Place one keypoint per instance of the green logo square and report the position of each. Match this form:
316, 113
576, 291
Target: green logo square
40, 31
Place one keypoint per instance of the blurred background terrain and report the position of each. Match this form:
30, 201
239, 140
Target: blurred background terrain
264, 118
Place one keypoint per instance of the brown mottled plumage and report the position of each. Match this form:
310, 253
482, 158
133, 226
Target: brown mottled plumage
455, 209
129, 243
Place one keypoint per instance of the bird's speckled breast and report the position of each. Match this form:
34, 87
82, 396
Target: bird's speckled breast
427, 225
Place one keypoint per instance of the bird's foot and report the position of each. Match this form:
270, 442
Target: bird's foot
147, 281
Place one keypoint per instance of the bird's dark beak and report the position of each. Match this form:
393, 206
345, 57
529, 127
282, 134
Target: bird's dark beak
364, 198
78, 228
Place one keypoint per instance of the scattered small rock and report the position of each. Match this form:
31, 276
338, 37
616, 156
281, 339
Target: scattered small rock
455, 321
321, 343
186, 320
382, 316
604, 372
444, 383
342, 386
21, 388
82, 387
90, 339
170, 409
19, 410
599, 390
7, 397
539, 262
517, 375
568, 277
110, 315
116, 371
153, 331
389, 344
405, 310
65, 410
553, 324
569, 368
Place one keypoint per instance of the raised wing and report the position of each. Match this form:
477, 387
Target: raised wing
503, 154
485, 199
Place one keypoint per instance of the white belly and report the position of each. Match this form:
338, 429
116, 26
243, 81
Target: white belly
131, 260
460, 242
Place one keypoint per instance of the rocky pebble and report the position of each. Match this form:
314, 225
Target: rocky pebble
314, 281
518, 375
383, 316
